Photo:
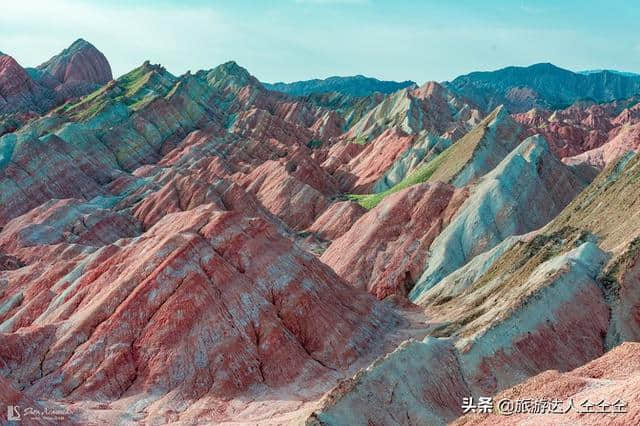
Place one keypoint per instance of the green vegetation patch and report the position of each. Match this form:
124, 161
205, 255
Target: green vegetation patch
132, 89
444, 168
314, 144
420, 175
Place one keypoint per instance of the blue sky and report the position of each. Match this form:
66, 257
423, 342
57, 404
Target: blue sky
287, 40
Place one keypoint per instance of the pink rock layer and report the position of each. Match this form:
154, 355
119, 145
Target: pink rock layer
384, 251
206, 304
612, 378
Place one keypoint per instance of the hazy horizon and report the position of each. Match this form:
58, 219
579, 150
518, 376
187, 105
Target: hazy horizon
403, 40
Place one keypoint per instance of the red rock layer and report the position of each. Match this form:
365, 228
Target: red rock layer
581, 127
18, 92
627, 139
80, 62
336, 220
76, 71
206, 304
612, 378
384, 251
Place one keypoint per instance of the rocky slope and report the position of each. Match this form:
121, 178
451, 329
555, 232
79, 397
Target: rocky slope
18, 91
190, 176
611, 381
626, 140
583, 126
76, 71
236, 293
383, 252
363, 156
526, 190
551, 300
495, 348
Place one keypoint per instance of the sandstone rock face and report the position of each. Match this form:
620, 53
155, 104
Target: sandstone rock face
383, 252
72, 221
612, 196
371, 163
424, 149
419, 383
527, 189
18, 92
611, 378
552, 299
585, 127
226, 298
457, 282
76, 71
519, 340
336, 220
385, 132
480, 150
80, 62
507, 337
150, 269
296, 189
627, 139
461, 163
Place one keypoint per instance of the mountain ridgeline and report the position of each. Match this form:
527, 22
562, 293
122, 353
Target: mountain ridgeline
357, 85
542, 86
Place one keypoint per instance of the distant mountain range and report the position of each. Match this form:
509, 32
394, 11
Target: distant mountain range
543, 86
357, 85
627, 74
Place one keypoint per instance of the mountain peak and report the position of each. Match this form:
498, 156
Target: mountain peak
430, 88
231, 74
79, 44
18, 91
148, 66
500, 112
80, 62
546, 67
232, 68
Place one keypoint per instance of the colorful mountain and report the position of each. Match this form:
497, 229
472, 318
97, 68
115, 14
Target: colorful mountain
27, 93
198, 249
76, 71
